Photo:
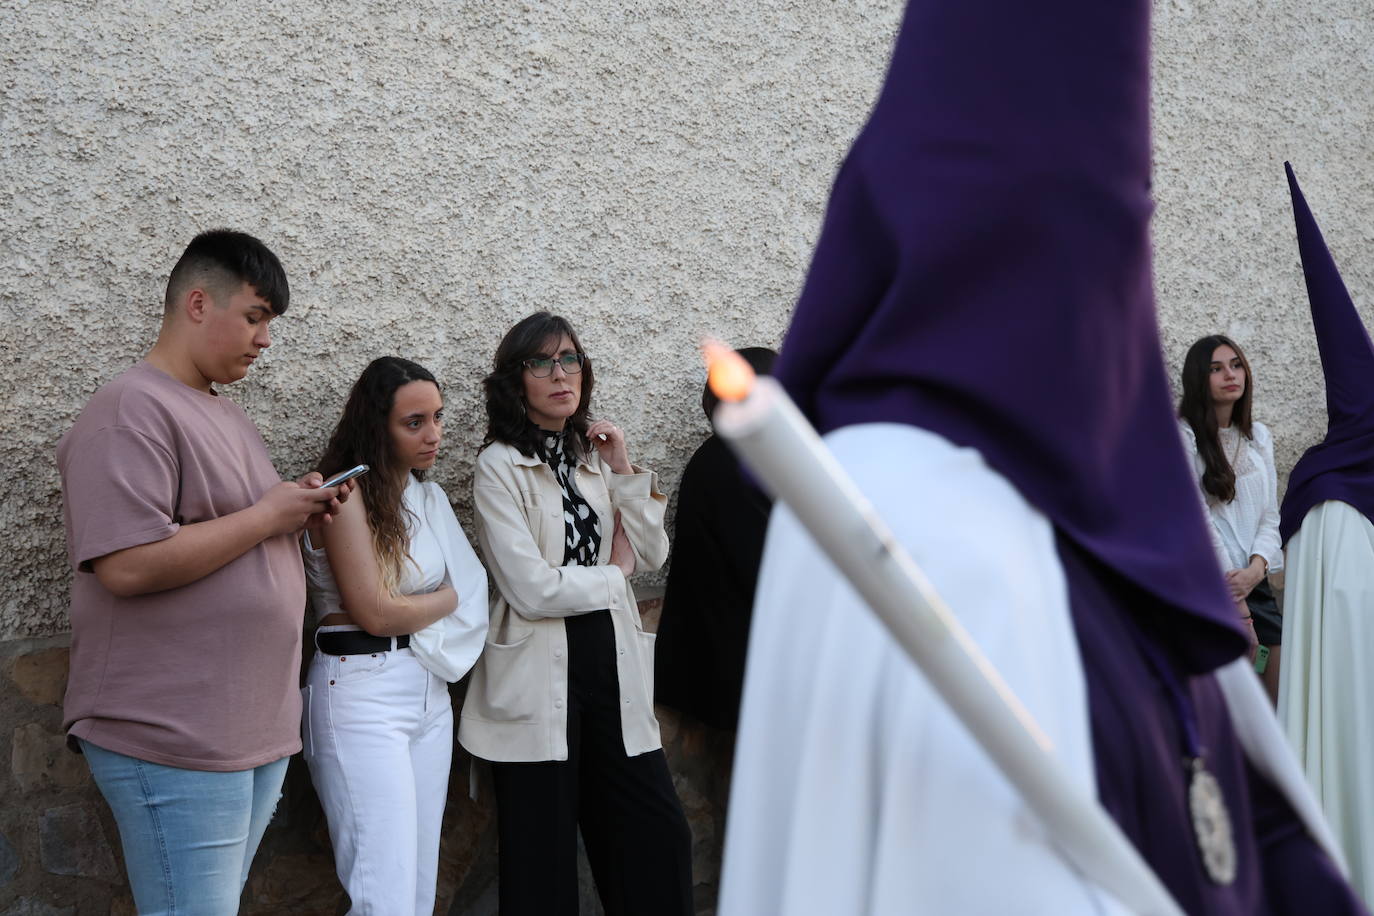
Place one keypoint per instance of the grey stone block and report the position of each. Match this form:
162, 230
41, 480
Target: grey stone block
41, 676
9, 861
70, 842
40, 759
31, 906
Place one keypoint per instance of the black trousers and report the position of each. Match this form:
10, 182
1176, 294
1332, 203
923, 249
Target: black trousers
637, 838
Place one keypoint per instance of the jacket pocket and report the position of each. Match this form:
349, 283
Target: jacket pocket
646, 660
533, 507
509, 687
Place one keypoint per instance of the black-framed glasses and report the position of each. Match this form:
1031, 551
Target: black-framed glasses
542, 366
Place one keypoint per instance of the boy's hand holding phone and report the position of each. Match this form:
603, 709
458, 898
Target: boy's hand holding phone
341, 483
287, 507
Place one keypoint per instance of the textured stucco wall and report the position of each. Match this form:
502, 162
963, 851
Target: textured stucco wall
1239, 88
432, 171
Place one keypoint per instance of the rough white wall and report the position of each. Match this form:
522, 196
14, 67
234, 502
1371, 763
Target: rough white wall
432, 171
1239, 88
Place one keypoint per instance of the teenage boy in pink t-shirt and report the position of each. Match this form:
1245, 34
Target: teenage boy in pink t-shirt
188, 591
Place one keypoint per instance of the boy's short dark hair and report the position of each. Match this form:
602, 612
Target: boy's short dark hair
220, 260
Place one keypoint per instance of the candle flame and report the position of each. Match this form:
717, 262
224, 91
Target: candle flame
730, 377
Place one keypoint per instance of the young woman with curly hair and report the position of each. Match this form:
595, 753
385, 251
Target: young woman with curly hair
401, 602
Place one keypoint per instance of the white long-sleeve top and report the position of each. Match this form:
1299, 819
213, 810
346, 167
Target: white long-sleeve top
439, 552
422, 572
1248, 525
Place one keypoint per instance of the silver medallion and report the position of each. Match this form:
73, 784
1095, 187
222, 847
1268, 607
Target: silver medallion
1211, 824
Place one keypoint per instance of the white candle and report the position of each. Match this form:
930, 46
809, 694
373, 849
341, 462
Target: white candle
760, 422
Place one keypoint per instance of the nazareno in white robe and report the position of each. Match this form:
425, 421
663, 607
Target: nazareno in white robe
855, 791
1326, 684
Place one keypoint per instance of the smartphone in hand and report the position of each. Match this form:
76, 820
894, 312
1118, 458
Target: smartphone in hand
349, 474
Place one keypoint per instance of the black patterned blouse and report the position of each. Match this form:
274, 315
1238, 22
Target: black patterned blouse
581, 527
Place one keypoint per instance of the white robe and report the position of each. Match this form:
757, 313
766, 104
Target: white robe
855, 791
1326, 685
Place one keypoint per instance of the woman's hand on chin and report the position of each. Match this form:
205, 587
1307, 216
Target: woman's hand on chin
609, 441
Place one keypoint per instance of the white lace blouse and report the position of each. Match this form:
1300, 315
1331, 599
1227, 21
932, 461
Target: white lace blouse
1248, 525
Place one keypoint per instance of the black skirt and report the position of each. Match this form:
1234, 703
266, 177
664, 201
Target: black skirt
1264, 608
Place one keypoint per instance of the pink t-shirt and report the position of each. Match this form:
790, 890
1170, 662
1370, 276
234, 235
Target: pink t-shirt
204, 676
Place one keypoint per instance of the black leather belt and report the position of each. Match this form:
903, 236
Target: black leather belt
356, 642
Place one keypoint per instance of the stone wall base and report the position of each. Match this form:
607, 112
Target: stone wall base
59, 847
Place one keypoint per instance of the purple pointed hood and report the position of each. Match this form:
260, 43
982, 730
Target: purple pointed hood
984, 272
1341, 466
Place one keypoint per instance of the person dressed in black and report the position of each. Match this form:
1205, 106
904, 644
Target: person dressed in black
722, 517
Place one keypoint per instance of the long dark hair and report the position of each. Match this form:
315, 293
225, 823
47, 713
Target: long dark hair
760, 359
505, 386
363, 436
1195, 407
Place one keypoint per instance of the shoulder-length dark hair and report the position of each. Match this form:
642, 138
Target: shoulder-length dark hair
505, 387
363, 436
1195, 407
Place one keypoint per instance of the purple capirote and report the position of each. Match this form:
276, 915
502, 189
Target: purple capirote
983, 272
1341, 466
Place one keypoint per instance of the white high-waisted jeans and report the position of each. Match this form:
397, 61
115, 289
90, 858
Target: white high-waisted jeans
378, 736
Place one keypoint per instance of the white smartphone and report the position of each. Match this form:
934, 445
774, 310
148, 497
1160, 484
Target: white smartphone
345, 475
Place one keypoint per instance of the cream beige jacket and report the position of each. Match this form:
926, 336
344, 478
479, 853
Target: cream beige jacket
517, 702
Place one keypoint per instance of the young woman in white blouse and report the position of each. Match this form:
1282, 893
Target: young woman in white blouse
1233, 456
401, 600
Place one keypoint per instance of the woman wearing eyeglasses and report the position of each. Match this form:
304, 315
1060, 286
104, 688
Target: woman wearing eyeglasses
561, 700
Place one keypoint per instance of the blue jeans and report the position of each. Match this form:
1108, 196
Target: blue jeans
188, 835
